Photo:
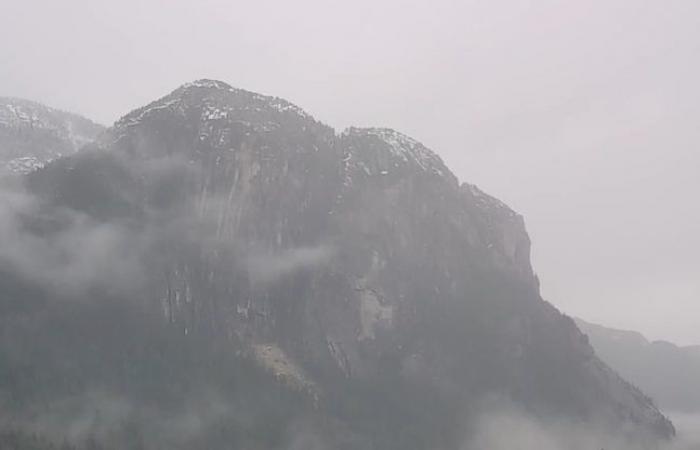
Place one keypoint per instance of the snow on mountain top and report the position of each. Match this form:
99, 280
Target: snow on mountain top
488, 202
32, 134
217, 99
25, 165
275, 103
14, 111
208, 84
405, 149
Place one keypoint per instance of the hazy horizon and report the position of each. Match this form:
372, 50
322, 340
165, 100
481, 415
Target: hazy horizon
582, 117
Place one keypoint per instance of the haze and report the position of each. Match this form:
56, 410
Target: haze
581, 115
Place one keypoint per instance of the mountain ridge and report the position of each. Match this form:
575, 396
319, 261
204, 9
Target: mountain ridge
666, 371
351, 266
381, 152
33, 134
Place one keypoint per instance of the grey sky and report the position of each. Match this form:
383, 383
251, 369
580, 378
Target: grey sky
582, 115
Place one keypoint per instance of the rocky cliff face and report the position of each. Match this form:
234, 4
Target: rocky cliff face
339, 262
32, 134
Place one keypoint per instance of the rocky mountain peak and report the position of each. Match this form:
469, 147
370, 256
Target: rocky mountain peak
216, 100
206, 83
214, 115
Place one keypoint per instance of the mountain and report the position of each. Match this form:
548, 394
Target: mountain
221, 269
32, 134
667, 372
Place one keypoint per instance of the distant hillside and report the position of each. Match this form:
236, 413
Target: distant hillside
667, 372
32, 134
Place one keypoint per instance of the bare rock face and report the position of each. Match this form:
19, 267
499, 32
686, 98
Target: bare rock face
347, 259
32, 134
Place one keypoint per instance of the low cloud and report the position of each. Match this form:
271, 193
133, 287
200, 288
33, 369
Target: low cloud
502, 425
108, 417
68, 253
271, 267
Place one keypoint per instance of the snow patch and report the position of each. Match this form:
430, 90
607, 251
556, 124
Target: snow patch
25, 165
403, 150
408, 149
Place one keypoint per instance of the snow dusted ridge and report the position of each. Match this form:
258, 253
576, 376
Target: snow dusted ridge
219, 101
32, 134
371, 151
208, 84
16, 112
25, 164
402, 149
276, 103
487, 202
219, 107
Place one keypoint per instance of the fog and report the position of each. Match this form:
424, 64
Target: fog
82, 254
503, 426
687, 426
582, 116
162, 292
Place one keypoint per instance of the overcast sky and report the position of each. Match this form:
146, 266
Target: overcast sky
584, 116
